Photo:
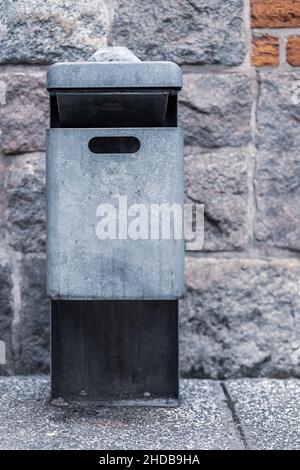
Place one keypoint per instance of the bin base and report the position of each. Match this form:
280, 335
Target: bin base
119, 353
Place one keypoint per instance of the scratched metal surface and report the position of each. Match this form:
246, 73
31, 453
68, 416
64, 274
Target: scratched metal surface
80, 266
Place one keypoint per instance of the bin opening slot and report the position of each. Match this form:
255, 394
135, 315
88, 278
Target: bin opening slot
112, 144
105, 109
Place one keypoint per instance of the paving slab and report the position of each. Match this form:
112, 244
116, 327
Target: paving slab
28, 420
267, 411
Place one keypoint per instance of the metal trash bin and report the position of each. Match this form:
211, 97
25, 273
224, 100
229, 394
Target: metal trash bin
114, 145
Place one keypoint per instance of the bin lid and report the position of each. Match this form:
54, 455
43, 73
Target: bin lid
82, 75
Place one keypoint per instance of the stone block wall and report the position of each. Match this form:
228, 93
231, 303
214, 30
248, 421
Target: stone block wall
240, 110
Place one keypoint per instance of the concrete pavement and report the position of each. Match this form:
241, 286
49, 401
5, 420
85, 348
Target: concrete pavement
240, 414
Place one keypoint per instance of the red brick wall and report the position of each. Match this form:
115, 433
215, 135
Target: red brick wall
281, 15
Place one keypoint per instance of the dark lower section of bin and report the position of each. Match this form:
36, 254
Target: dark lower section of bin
115, 351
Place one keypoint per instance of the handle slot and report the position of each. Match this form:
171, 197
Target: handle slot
113, 144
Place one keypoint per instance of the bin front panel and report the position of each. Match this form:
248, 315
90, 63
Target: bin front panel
86, 190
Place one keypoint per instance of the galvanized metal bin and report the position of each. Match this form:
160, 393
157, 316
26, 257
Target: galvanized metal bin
113, 137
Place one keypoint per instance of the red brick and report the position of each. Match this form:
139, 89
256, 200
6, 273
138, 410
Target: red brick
265, 51
275, 13
293, 51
